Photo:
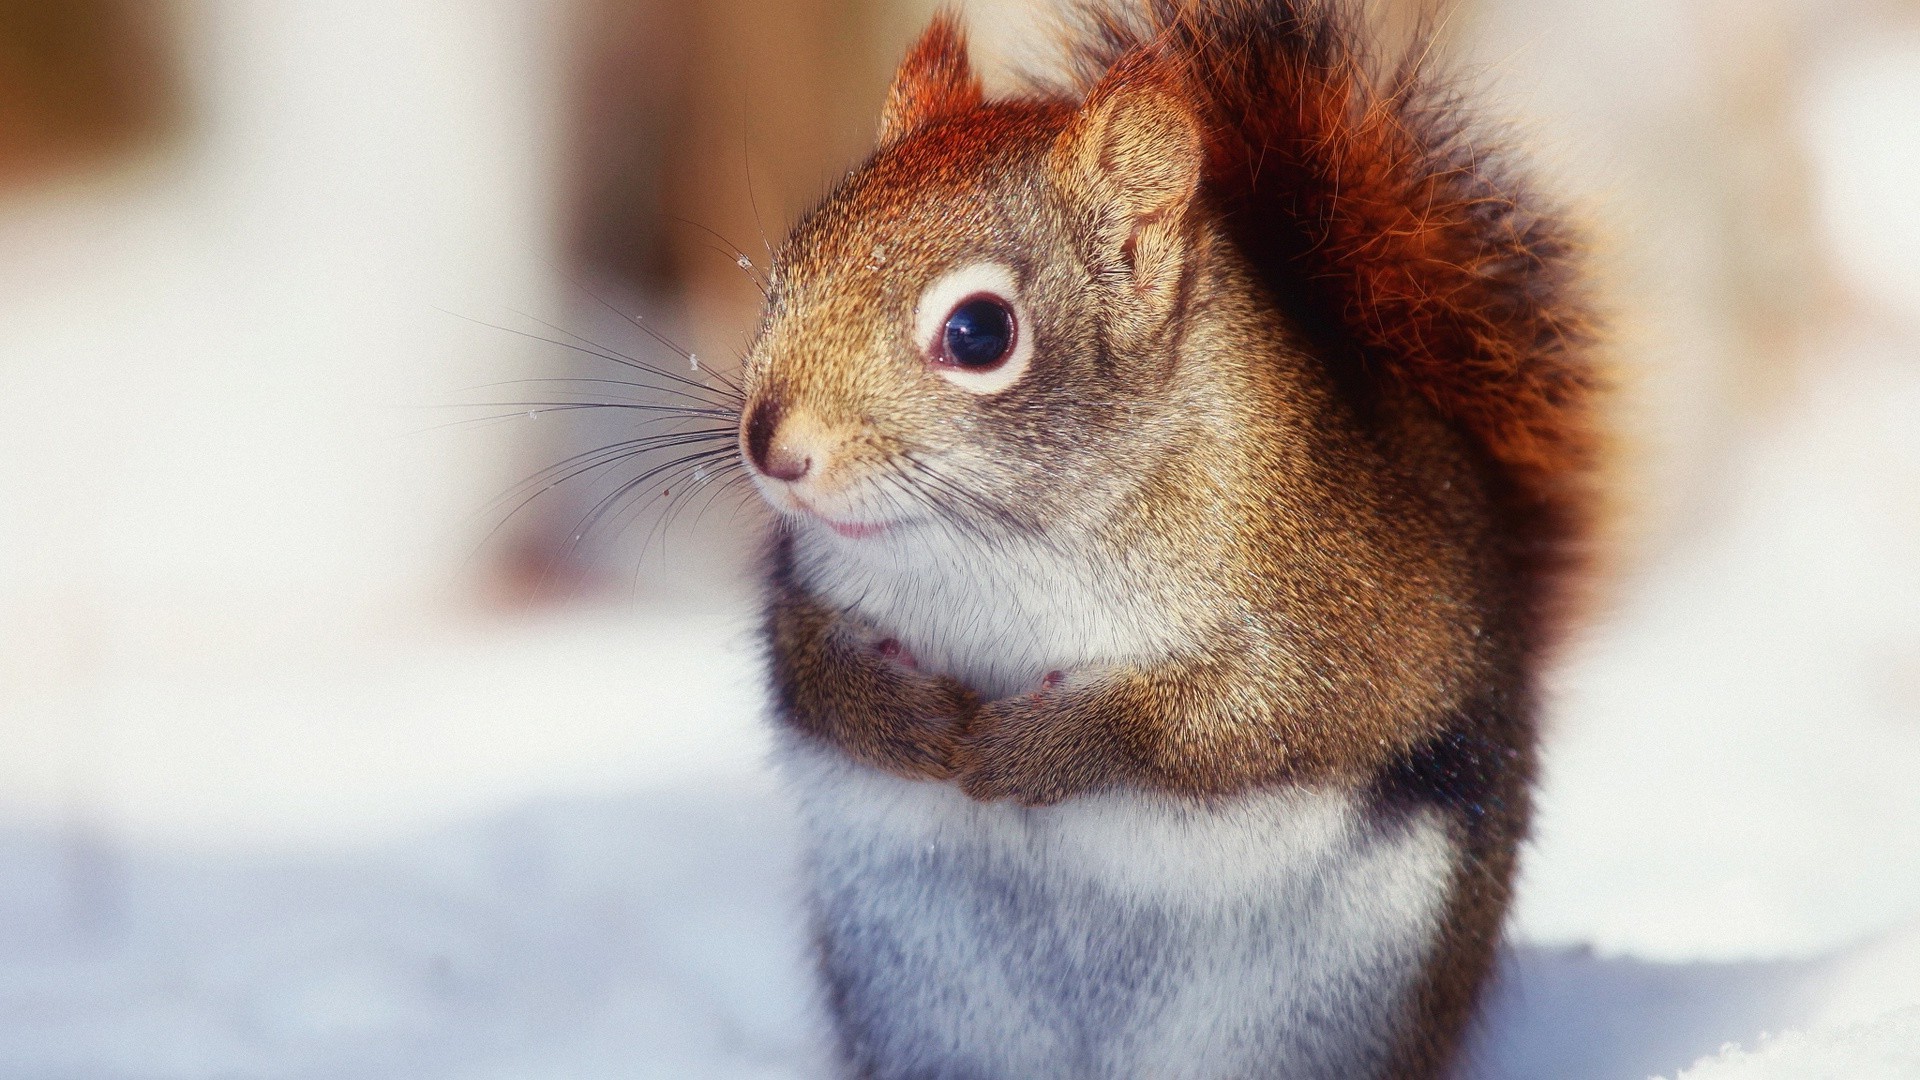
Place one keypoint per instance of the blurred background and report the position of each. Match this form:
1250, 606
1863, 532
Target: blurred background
342, 740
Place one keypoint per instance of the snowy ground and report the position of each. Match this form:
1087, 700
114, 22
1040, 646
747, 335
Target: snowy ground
326, 886
643, 937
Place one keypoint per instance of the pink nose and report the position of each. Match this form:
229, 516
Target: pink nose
765, 449
783, 464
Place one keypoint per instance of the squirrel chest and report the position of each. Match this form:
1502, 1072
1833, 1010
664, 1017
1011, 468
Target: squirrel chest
1181, 480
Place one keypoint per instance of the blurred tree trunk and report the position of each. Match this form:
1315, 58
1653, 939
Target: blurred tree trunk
722, 115
80, 80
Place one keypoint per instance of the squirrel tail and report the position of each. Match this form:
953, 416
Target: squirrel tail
1403, 247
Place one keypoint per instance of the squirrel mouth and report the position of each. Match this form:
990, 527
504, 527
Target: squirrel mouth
856, 530
852, 530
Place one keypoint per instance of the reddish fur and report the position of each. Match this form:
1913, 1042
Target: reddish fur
936, 79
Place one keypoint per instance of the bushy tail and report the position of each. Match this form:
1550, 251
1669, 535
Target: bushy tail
1401, 245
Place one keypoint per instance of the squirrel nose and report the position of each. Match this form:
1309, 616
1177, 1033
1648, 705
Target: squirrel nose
784, 464
769, 453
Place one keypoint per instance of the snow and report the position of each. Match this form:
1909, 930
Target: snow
1886, 1049
643, 936
1741, 731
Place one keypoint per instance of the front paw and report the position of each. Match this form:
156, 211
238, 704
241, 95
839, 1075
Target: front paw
1008, 752
924, 726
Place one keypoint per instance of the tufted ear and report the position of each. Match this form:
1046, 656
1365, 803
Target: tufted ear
1131, 161
935, 80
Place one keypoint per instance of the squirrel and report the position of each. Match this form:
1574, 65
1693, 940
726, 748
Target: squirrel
1183, 474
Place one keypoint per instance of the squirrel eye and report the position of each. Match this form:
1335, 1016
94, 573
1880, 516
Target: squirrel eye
978, 334
971, 329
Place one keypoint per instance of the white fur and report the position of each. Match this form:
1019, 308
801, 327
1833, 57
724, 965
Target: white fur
945, 293
998, 617
1119, 935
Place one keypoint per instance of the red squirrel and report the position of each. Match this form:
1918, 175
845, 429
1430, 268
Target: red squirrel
1183, 475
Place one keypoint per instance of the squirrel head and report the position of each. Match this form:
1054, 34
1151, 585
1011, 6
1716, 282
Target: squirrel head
981, 312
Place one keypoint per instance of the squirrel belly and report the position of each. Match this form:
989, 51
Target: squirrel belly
1278, 933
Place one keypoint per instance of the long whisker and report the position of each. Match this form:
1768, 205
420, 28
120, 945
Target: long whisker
671, 469
620, 357
947, 486
723, 478
564, 380
947, 516
732, 384
635, 320
705, 475
590, 520
579, 464
721, 482
603, 457
705, 392
638, 406
740, 258
746, 159
535, 410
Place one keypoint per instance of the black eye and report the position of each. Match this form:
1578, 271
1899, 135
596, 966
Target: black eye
979, 333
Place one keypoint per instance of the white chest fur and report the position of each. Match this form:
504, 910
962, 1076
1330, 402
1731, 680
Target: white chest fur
996, 617
1121, 935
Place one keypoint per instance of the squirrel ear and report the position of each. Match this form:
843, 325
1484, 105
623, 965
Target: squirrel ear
934, 80
1132, 158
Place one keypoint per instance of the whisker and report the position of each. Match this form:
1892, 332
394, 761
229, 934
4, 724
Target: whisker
711, 482
620, 357
638, 406
615, 358
590, 520
746, 158
704, 476
1010, 522
732, 384
605, 456
534, 410
560, 472
732, 247
635, 320
953, 490
739, 259
560, 381
950, 520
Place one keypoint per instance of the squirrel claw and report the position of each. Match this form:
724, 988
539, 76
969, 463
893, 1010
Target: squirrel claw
1047, 682
891, 649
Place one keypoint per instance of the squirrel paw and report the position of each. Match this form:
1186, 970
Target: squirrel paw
1010, 753
928, 727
